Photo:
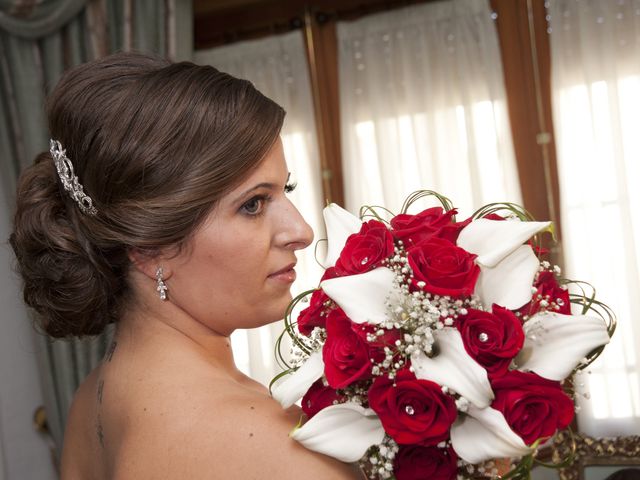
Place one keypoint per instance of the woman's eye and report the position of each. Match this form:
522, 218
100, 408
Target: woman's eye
253, 206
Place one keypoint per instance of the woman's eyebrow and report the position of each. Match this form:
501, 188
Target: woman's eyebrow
267, 185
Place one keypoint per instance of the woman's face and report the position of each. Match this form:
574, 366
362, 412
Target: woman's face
239, 268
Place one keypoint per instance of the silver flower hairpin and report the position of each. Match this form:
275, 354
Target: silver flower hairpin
68, 178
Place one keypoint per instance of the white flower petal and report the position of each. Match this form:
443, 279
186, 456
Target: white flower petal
288, 390
340, 224
509, 283
484, 434
493, 240
362, 296
555, 343
454, 368
344, 431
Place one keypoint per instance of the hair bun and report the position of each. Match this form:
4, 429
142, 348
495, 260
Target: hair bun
68, 285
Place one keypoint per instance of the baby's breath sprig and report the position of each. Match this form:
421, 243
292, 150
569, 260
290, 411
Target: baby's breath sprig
357, 393
313, 343
378, 461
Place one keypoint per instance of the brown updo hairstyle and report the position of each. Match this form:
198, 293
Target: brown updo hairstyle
155, 145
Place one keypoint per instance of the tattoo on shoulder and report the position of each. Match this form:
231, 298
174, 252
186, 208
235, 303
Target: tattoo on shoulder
100, 389
100, 433
112, 348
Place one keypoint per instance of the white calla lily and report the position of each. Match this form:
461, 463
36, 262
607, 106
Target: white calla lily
509, 283
483, 434
344, 431
339, 224
493, 240
362, 296
454, 368
291, 388
555, 343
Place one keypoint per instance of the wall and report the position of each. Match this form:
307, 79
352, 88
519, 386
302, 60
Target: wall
23, 453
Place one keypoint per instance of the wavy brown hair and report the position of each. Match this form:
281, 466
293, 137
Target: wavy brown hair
155, 145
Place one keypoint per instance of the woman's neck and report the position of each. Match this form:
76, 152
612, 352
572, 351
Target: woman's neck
150, 322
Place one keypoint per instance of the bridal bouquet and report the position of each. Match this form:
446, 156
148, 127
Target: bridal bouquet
434, 346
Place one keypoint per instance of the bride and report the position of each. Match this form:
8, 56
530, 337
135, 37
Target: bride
162, 207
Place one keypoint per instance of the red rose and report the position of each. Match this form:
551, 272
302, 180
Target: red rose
452, 231
315, 314
415, 462
548, 290
318, 396
444, 268
412, 229
493, 216
412, 410
346, 354
329, 273
491, 339
534, 407
365, 250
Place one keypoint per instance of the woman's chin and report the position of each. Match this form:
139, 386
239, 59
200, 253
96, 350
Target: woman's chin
278, 312
274, 312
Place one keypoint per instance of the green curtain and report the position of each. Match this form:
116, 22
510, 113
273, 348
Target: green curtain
38, 41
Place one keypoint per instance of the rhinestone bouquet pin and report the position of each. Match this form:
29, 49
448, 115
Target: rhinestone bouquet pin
437, 348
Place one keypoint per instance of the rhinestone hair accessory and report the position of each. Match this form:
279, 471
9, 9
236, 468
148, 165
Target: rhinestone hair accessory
69, 179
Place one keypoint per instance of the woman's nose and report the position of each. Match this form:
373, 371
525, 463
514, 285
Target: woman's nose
296, 232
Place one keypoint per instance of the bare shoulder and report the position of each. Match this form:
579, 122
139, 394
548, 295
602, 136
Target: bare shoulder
80, 451
206, 433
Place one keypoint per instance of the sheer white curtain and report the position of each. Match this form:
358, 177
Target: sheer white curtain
596, 103
423, 106
277, 66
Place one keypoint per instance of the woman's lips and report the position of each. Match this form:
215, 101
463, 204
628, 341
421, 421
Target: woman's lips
285, 275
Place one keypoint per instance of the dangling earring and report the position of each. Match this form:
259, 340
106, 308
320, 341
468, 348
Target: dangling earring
162, 287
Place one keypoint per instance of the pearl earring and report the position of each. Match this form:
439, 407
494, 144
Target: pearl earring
162, 287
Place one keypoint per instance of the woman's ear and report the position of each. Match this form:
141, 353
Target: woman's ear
148, 264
